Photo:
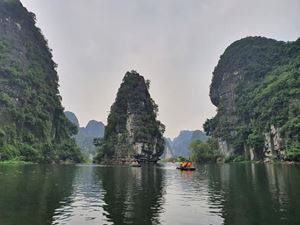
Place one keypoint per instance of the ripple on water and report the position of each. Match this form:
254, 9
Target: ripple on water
213, 194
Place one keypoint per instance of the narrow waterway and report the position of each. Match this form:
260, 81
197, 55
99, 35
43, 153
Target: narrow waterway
231, 194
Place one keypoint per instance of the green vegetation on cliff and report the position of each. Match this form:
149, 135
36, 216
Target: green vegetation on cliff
33, 126
132, 129
256, 87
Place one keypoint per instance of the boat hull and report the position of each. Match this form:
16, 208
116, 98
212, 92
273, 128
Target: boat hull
186, 169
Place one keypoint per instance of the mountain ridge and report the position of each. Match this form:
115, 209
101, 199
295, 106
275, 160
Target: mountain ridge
179, 146
86, 135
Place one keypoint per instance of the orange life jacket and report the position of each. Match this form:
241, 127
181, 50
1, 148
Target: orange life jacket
189, 165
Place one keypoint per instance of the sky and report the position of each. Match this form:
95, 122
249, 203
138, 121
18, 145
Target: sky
174, 43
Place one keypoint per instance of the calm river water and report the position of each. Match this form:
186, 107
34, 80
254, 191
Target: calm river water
231, 194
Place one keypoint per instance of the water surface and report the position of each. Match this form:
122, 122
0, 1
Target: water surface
230, 194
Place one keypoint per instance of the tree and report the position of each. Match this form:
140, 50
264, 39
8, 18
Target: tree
204, 151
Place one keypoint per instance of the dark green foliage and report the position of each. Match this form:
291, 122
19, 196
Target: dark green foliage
210, 126
32, 124
275, 101
267, 93
205, 151
180, 159
103, 149
293, 153
133, 107
255, 140
255, 56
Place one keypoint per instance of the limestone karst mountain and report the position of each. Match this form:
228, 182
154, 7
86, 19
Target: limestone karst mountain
132, 130
256, 87
33, 126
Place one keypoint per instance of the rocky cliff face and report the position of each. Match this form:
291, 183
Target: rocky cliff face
253, 116
132, 129
32, 123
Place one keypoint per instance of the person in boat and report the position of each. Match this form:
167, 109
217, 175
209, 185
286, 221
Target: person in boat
189, 164
186, 164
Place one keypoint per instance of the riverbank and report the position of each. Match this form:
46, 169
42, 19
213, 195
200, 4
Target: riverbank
15, 162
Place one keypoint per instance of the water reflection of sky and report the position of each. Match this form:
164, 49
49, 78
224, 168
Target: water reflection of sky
213, 194
188, 199
85, 205
159, 195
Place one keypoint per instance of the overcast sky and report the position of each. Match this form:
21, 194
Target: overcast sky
174, 43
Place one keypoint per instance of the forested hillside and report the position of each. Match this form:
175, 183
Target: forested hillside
33, 126
256, 87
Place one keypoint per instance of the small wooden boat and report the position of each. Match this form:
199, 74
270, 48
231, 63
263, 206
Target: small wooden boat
186, 168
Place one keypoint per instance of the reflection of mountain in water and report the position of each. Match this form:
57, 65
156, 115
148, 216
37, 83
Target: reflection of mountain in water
230, 194
85, 204
256, 194
133, 195
30, 194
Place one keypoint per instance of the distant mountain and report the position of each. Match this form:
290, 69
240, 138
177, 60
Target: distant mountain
94, 129
199, 135
72, 118
173, 148
85, 136
180, 144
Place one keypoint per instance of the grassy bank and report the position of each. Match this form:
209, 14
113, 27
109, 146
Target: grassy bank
14, 162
